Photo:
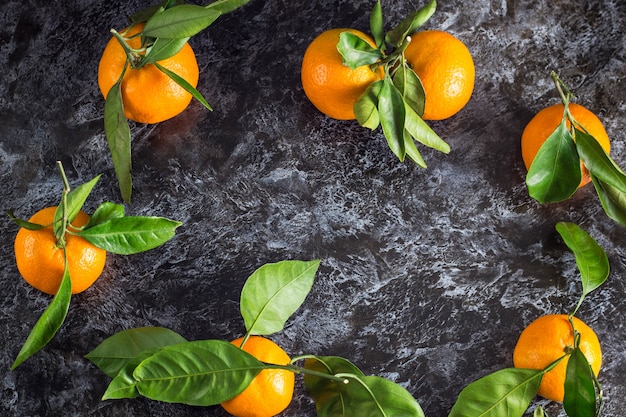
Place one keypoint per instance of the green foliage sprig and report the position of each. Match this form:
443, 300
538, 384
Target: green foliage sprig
161, 365
108, 229
555, 173
509, 391
396, 103
168, 26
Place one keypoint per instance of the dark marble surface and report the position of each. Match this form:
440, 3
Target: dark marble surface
427, 276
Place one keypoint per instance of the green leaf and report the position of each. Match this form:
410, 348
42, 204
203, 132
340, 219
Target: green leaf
328, 395
49, 322
361, 396
25, 224
377, 26
161, 49
580, 394
422, 133
411, 150
226, 6
591, 259
411, 88
184, 84
555, 173
613, 201
273, 293
147, 13
411, 24
118, 350
131, 234
539, 412
507, 392
392, 114
104, 212
123, 384
74, 203
366, 106
202, 373
182, 21
598, 162
117, 132
356, 52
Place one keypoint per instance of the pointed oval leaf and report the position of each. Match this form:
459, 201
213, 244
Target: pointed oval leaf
25, 224
49, 322
555, 173
580, 393
613, 201
411, 24
104, 212
411, 88
203, 373
328, 394
118, 350
598, 163
376, 25
376, 396
591, 259
392, 114
366, 106
507, 392
411, 150
273, 293
423, 133
147, 13
117, 132
355, 51
131, 234
181, 21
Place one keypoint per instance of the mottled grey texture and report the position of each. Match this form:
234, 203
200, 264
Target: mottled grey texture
427, 276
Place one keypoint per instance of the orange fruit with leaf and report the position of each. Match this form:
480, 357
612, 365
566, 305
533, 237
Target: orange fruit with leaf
546, 121
271, 391
446, 69
331, 86
148, 94
547, 339
41, 262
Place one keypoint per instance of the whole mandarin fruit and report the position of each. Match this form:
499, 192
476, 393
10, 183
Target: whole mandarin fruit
446, 68
41, 261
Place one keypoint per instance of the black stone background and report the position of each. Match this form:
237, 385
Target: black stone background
427, 276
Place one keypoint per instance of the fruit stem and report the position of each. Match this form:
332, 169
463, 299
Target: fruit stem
133, 56
299, 370
60, 232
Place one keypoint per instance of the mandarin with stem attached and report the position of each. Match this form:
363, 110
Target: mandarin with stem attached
148, 94
548, 119
41, 261
547, 339
446, 68
331, 86
271, 391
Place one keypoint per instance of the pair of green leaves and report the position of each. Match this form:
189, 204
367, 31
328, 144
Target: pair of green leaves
555, 173
109, 229
159, 364
396, 103
168, 26
509, 391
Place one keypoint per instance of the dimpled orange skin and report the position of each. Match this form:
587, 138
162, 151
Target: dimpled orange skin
271, 391
545, 340
41, 263
149, 96
548, 119
332, 87
446, 69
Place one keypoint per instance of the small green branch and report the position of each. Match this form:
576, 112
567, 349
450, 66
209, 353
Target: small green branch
133, 56
60, 232
300, 370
